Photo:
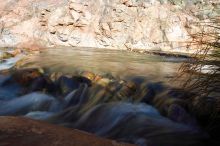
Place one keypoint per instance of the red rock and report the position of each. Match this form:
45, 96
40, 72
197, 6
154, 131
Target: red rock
19, 131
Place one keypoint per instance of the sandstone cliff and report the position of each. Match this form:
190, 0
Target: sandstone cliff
162, 25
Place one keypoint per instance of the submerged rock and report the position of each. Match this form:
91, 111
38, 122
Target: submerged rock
42, 84
153, 89
26, 76
77, 97
82, 80
128, 90
132, 122
55, 76
206, 110
6, 55
102, 81
66, 85
180, 115
89, 75
7, 94
8, 88
128, 122
3, 78
108, 107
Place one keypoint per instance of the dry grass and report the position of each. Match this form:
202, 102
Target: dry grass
206, 104
208, 52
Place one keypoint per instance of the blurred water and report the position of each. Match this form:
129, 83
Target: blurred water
9, 62
97, 110
116, 62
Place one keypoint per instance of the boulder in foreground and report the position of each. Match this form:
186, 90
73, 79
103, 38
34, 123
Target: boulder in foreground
26, 132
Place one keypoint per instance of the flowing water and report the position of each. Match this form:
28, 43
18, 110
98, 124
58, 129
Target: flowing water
102, 61
149, 114
9, 62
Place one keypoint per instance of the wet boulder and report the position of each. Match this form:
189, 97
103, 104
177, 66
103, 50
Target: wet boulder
42, 83
7, 94
114, 86
6, 88
26, 76
103, 81
163, 102
82, 80
3, 79
89, 75
6, 55
21, 131
66, 84
180, 115
153, 89
206, 109
168, 97
22, 81
55, 76
127, 91
77, 97
179, 93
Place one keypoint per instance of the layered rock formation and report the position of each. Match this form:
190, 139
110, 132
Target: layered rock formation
162, 25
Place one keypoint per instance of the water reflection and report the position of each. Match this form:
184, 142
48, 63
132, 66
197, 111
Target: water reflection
101, 61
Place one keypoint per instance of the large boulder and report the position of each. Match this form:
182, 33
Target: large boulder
25, 132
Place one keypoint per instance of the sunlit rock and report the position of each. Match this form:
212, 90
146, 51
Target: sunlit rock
116, 24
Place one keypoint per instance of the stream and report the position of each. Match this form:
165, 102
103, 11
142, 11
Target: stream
128, 97
101, 61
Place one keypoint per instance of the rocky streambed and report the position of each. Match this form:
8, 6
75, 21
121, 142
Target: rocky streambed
113, 95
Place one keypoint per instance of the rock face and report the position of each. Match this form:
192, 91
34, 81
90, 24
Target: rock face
162, 25
25, 132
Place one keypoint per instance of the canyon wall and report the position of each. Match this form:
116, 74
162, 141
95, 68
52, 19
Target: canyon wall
159, 25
